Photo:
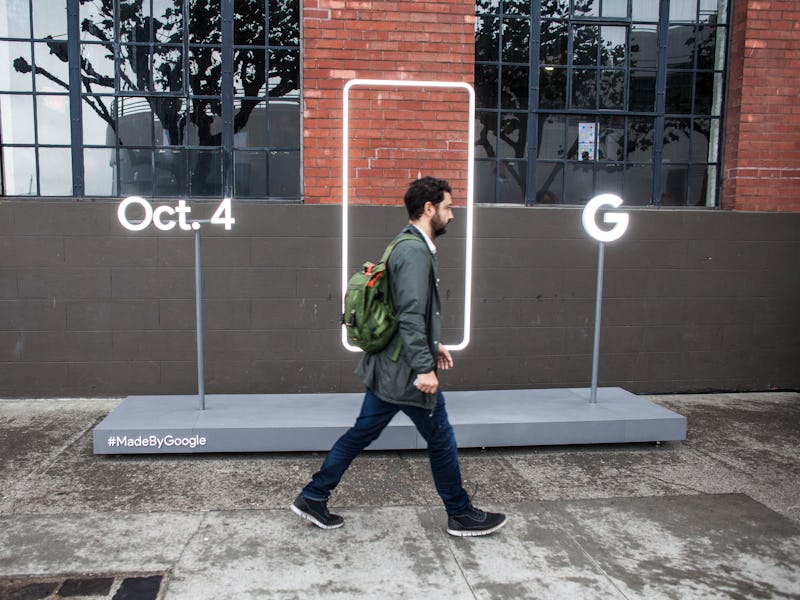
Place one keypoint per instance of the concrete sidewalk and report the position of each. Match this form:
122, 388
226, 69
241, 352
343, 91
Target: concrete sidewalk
716, 516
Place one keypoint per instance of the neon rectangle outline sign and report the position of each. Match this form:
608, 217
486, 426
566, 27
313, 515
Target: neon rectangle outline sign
470, 198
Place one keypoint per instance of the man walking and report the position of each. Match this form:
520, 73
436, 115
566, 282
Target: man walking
408, 383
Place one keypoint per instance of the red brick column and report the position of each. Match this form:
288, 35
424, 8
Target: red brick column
394, 132
762, 130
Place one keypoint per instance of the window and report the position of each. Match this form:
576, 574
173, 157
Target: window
502, 90
577, 98
158, 98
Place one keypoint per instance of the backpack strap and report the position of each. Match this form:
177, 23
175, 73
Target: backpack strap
397, 240
398, 347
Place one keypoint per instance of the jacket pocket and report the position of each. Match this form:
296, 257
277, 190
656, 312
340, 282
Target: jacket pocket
396, 381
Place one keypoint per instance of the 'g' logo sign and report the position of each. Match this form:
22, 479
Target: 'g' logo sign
619, 220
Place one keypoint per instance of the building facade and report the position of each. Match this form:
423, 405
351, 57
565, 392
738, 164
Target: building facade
685, 108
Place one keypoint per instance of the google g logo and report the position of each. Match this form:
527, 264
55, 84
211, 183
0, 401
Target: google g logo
619, 220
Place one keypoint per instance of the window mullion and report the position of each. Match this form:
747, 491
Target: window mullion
227, 97
117, 183
499, 115
533, 101
661, 98
570, 75
185, 96
76, 127
34, 99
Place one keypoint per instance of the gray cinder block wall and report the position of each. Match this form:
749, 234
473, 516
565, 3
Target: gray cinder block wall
693, 300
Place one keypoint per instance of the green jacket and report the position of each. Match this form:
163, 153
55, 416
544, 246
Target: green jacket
415, 292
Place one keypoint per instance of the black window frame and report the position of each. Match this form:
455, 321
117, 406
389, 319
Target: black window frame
703, 123
78, 96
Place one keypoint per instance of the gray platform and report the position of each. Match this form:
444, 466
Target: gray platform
304, 422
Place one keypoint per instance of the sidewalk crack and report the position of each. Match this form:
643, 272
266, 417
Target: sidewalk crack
44, 466
461, 569
593, 561
175, 565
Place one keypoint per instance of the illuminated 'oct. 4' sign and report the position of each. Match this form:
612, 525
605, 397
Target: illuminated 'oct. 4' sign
157, 216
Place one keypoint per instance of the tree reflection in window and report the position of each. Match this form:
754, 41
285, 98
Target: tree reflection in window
598, 62
180, 79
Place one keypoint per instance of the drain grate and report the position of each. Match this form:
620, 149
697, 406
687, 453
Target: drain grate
97, 587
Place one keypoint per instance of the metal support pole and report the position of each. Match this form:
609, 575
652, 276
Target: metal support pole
597, 306
198, 300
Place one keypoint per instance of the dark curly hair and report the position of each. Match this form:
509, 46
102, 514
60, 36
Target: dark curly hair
427, 189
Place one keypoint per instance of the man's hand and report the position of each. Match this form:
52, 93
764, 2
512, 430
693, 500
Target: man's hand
428, 383
444, 360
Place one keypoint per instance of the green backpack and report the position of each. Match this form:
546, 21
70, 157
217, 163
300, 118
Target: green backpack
369, 314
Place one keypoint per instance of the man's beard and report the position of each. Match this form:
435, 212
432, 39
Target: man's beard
439, 228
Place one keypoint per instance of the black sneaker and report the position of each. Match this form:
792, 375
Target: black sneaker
316, 511
475, 522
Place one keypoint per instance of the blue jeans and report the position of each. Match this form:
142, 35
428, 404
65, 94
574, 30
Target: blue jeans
375, 415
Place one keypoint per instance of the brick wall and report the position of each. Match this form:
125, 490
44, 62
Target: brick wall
395, 133
762, 135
